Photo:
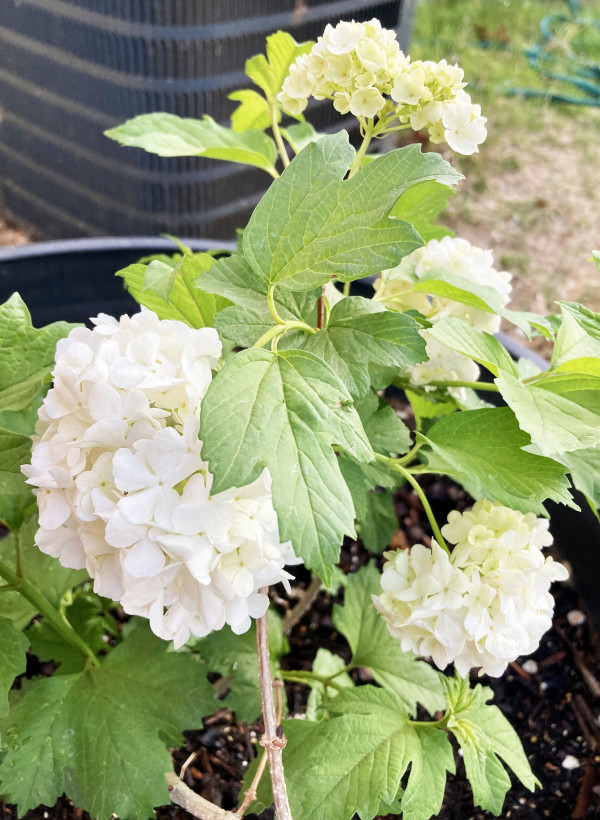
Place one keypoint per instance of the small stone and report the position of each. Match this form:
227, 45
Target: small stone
570, 762
530, 667
575, 617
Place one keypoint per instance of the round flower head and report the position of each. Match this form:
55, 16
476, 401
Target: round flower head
462, 260
359, 66
123, 490
484, 604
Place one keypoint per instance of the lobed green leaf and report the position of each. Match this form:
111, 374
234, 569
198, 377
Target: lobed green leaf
360, 332
26, 353
171, 136
313, 225
102, 736
373, 647
284, 412
13, 646
174, 293
483, 449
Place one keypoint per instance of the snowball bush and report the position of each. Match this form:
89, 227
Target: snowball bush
460, 259
359, 66
484, 604
124, 492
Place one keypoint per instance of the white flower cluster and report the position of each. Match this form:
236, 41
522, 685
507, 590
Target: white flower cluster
359, 66
482, 606
124, 492
461, 259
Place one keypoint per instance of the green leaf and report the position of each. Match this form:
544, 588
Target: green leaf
420, 206
327, 665
362, 773
375, 649
312, 225
485, 735
483, 450
40, 569
361, 478
252, 112
377, 527
102, 736
385, 430
426, 406
87, 614
440, 282
16, 498
482, 347
159, 278
432, 758
584, 468
26, 353
269, 72
179, 297
233, 278
38, 729
234, 657
578, 336
284, 411
13, 646
170, 136
300, 135
360, 332
560, 413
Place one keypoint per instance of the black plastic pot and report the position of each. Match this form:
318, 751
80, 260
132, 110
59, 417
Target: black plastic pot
69, 69
75, 279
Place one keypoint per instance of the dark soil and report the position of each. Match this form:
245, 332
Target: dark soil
553, 705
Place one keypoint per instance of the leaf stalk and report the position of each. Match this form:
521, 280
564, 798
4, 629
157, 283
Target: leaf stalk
45, 608
394, 464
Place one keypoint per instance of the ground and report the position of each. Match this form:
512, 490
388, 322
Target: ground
532, 194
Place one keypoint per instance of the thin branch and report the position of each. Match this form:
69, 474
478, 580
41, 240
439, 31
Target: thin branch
250, 793
303, 605
272, 742
321, 309
185, 797
187, 763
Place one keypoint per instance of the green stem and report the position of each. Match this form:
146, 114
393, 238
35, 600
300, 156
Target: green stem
17, 541
369, 134
385, 131
272, 309
273, 333
491, 388
347, 288
278, 138
429, 723
393, 464
45, 608
410, 456
299, 676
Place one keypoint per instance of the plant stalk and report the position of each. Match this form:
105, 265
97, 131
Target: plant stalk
491, 388
369, 134
272, 742
394, 464
45, 608
321, 310
278, 138
185, 797
304, 604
